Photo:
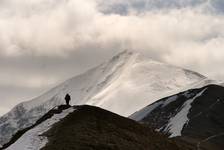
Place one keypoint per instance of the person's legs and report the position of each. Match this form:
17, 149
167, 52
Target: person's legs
67, 102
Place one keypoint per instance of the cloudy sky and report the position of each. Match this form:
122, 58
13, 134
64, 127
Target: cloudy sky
44, 42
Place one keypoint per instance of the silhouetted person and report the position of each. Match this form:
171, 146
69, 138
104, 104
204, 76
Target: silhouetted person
67, 99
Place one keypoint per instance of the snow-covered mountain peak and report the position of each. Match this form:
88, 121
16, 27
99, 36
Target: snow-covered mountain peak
124, 84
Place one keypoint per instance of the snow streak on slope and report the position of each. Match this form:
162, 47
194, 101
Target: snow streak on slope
194, 116
139, 115
33, 139
124, 84
176, 123
178, 120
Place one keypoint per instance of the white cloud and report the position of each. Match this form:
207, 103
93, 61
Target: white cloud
50, 27
44, 27
171, 31
187, 33
27, 80
3, 110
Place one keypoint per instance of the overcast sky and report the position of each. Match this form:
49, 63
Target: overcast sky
44, 42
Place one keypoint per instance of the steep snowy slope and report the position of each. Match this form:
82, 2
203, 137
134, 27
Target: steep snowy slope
124, 84
195, 116
32, 139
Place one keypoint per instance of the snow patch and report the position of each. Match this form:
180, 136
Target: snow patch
33, 139
139, 115
170, 100
176, 123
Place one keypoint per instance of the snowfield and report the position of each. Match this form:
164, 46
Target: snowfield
124, 84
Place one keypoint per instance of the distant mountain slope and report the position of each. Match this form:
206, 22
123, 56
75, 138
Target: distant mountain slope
124, 84
195, 116
90, 128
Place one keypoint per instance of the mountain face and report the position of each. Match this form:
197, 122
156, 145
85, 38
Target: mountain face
195, 116
124, 84
88, 127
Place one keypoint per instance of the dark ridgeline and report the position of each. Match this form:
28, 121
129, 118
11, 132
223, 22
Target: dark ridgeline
92, 128
205, 128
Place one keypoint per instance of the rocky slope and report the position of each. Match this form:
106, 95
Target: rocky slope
195, 116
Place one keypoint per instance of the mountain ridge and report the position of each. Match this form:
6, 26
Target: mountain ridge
89, 127
194, 116
124, 84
